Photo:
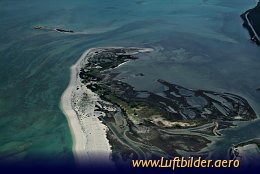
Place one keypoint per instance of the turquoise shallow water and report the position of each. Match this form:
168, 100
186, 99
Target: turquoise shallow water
199, 44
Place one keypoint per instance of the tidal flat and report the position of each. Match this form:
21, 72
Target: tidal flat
143, 124
198, 45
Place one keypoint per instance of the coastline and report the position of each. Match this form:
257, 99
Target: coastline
87, 109
247, 24
89, 134
81, 142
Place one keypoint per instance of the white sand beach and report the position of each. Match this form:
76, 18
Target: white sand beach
90, 145
89, 134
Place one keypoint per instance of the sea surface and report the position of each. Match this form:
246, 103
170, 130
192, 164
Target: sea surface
199, 44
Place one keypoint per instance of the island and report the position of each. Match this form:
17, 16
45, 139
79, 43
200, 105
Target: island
252, 23
110, 119
53, 29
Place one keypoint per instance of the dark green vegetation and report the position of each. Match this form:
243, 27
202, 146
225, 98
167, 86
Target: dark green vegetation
252, 16
144, 124
34, 64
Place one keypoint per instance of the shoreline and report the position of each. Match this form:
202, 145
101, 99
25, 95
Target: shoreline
247, 24
85, 107
80, 139
89, 134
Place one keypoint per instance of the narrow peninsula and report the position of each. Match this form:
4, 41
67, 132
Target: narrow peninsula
110, 119
252, 23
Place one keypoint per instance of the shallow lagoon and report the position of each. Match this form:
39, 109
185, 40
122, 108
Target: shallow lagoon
198, 44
